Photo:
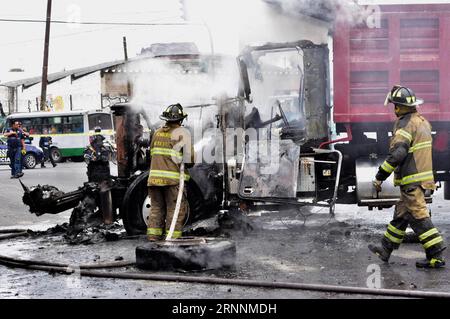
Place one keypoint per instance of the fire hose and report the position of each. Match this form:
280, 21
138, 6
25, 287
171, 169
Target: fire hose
21, 263
13, 233
85, 270
178, 204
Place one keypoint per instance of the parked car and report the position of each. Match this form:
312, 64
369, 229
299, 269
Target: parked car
33, 156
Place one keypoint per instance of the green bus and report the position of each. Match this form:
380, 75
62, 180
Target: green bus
70, 131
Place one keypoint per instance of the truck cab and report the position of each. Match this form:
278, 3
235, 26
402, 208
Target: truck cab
286, 101
265, 139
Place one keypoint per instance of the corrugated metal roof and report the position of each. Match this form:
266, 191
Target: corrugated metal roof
27, 82
155, 50
88, 70
53, 77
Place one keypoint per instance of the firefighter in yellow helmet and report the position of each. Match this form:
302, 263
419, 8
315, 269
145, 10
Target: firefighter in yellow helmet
170, 146
410, 158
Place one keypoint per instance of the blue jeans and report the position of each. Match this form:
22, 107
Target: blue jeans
15, 155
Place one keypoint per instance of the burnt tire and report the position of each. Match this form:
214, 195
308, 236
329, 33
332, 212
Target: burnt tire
214, 254
132, 206
136, 197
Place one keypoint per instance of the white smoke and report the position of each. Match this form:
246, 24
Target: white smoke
334, 10
158, 82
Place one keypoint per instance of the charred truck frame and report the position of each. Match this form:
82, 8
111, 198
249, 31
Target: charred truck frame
304, 174
283, 97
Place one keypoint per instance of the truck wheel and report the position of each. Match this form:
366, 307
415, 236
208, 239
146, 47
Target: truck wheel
55, 153
29, 161
213, 254
136, 206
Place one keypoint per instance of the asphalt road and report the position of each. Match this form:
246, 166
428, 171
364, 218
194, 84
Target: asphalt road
283, 247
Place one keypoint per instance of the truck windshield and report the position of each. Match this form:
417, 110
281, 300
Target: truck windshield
276, 78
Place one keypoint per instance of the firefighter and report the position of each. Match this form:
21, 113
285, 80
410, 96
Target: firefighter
410, 158
170, 146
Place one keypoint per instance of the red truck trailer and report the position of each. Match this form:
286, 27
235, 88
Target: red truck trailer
409, 46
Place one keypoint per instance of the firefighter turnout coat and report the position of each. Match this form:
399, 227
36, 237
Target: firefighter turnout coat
170, 145
410, 153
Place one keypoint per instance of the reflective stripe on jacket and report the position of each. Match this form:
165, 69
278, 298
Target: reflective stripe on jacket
410, 153
170, 145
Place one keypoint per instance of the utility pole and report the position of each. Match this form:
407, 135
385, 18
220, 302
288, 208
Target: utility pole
45, 64
125, 53
125, 50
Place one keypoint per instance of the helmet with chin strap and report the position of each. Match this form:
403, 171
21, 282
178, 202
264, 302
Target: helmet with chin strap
173, 113
400, 95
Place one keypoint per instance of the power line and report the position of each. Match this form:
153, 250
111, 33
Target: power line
100, 23
121, 13
54, 36
141, 12
70, 34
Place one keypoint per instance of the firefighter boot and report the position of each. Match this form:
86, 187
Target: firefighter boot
434, 262
432, 242
382, 252
154, 238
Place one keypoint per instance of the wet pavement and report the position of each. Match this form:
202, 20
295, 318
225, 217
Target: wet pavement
305, 247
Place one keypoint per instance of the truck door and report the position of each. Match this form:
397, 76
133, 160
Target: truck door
286, 87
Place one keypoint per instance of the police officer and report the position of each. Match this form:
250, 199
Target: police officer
16, 149
410, 158
45, 142
170, 146
98, 171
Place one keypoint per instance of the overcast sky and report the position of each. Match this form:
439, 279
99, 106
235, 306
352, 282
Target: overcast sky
21, 44
72, 46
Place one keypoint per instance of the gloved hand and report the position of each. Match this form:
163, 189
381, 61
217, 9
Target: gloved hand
377, 185
24, 151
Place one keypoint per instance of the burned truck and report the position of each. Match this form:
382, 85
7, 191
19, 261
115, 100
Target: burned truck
259, 149
282, 115
266, 140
